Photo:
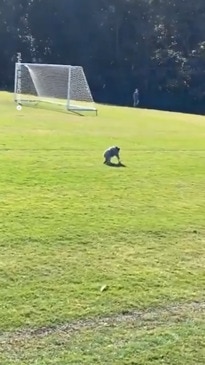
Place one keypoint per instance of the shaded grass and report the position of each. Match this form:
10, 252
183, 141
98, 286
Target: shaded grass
69, 224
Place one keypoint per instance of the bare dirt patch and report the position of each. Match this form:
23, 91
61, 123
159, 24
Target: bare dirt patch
149, 318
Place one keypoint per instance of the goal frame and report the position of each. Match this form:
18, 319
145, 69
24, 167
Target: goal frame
78, 109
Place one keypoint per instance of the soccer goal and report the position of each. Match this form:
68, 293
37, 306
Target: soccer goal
57, 84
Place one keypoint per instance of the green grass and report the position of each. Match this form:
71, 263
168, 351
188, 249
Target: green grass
69, 224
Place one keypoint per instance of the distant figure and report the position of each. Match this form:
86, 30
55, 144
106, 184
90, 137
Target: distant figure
135, 98
111, 152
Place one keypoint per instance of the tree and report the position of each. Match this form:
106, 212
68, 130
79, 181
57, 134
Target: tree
155, 45
15, 37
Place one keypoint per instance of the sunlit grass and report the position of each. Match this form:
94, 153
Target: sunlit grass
69, 225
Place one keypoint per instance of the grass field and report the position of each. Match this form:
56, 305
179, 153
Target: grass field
69, 224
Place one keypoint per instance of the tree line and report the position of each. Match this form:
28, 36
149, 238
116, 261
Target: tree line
157, 46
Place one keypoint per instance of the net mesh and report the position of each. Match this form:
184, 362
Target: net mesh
79, 89
66, 85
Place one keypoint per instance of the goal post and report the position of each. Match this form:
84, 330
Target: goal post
64, 85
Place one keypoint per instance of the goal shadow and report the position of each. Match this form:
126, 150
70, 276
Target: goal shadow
57, 108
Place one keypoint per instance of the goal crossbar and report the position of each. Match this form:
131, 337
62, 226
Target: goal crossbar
57, 84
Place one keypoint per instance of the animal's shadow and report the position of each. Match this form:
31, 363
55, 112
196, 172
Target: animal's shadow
112, 164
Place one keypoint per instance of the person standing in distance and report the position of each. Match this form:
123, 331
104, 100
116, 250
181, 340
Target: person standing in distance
136, 98
111, 152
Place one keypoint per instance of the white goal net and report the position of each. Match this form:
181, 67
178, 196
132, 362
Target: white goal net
59, 84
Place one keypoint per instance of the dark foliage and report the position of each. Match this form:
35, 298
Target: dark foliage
157, 46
